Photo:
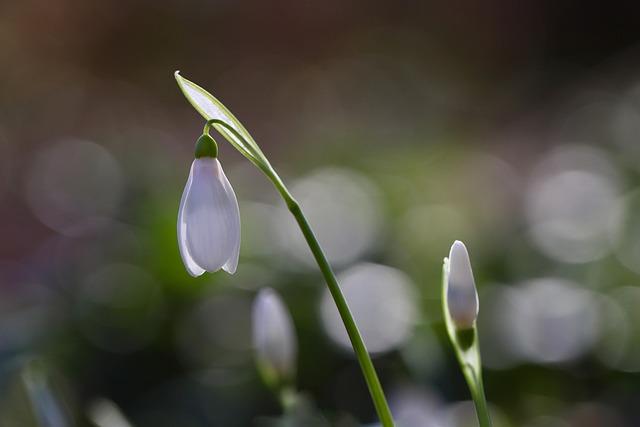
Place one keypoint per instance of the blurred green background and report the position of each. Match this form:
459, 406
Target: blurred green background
400, 126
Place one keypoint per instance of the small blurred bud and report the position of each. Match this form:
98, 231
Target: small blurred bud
274, 339
104, 413
462, 297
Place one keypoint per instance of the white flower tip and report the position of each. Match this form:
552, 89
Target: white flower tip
230, 266
195, 271
232, 263
273, 336
462, 297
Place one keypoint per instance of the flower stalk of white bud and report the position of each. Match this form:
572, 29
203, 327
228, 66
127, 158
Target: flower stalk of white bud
460, 309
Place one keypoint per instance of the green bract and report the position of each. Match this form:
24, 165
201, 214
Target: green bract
223, 120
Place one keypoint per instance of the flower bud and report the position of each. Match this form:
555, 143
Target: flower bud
274, 339
462, 297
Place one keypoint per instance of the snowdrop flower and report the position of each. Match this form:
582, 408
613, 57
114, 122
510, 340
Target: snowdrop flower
462, 297
208, 218
274, 338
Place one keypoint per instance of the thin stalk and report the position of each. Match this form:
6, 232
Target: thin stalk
467, 353
369, 372
480, 401
476, 388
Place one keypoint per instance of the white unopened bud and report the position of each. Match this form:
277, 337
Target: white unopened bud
274, 339
462, 297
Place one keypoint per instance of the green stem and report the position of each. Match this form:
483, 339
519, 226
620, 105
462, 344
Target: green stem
481, 405
369, 372
476, 387
360, 349
467, 350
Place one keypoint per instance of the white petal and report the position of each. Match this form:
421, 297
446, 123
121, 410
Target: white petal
462, 297
188, 261
212, 214
232, 263
273, 335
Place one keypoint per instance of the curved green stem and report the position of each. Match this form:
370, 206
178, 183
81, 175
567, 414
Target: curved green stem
359, 347
368, 370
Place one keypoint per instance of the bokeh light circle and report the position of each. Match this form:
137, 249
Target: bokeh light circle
414, 406
345, 211
74, 184
382, 302
554, 320
572, 204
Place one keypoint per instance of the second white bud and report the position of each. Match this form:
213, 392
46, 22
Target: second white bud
462, 297
274, 338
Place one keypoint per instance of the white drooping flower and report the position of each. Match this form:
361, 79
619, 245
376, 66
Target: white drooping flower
208, 219
274, 338
462, 297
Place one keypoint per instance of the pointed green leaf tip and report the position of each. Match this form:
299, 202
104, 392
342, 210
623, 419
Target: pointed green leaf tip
212, 109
